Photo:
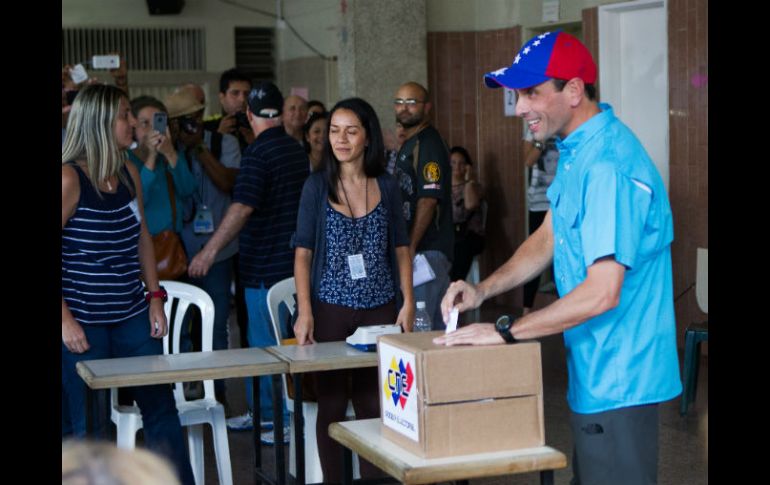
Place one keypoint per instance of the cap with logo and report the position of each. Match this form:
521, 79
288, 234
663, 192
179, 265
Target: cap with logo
265, 100
182, 103
556, 54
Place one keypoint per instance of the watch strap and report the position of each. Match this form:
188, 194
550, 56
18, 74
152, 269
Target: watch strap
505, 329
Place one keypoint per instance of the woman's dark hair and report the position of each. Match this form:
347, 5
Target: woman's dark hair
306, 128
141, 102
462, 151
315, 102
374, 153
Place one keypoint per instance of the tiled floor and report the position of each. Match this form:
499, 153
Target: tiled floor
683, 458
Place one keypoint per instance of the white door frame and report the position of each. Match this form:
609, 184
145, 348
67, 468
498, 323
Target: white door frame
613, 65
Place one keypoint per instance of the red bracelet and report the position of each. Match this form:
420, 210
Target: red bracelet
161, 293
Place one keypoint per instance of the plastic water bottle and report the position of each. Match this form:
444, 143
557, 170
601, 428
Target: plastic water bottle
421, 319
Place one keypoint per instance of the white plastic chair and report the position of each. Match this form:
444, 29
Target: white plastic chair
702, 279
696, 333
283, 292
192, 414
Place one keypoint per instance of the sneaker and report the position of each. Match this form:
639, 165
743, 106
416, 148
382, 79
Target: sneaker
268, 438
244, 423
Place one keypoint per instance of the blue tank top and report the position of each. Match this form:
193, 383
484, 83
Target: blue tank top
100, 256
368, 235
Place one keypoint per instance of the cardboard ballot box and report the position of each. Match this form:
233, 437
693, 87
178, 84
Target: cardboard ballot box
441, 401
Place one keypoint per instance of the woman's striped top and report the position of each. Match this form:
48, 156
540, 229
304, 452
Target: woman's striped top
100, 256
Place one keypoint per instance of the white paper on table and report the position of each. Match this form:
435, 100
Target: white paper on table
422, 272
452, 325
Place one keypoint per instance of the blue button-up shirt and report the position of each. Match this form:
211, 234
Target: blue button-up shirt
608, 200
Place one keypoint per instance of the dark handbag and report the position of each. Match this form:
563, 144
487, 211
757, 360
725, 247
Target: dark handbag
170, 256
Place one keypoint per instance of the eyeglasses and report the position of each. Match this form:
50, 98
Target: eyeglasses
407, 101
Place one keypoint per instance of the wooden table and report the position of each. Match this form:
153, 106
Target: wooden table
196, 366
365, 438
321, 356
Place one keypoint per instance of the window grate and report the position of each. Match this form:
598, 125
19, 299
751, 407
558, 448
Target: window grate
150, 49
254, 52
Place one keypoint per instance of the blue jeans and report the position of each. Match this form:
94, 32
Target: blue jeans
433, 291
130, 338
261, 335
217, 284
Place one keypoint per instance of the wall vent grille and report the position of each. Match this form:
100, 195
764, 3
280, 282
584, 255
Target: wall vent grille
254, 52
145, 49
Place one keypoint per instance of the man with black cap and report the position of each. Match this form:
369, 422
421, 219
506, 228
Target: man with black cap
608, 232
264, 214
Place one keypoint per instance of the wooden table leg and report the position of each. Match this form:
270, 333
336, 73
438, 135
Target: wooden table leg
546, 477
256, 430
347, 466
299, 431
280, 460
89, 412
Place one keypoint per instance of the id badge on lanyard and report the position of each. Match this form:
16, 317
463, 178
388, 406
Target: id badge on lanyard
204, 221
356, 266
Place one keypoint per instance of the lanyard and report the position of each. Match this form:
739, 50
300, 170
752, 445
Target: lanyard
366, 211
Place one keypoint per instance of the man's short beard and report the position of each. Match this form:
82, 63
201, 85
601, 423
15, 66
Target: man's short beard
409, 124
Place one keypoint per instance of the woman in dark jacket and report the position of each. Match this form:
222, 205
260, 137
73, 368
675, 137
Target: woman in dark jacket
352, 258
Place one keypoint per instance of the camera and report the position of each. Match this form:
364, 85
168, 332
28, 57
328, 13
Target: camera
241, 120
189, 124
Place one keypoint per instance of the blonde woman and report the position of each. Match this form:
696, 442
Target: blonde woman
106, 254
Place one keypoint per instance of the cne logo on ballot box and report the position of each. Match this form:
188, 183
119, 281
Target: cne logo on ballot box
399, 393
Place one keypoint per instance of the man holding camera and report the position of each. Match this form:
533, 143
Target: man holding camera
214, 160
234, 87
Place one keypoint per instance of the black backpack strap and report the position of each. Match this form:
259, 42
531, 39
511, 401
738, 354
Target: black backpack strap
216, 144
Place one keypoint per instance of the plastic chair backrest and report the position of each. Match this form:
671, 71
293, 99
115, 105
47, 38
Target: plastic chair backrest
702, 279
283, 291
182, 295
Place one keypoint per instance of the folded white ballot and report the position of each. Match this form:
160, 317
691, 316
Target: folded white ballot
451, 325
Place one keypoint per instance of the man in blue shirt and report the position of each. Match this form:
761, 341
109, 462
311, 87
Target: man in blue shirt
608, 232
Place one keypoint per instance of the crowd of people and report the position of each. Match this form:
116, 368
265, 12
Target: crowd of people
276, 186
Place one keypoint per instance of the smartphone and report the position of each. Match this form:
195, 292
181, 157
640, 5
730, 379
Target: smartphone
160, 122
78, 74
105, 62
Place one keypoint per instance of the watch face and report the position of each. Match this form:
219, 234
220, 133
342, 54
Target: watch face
503, 323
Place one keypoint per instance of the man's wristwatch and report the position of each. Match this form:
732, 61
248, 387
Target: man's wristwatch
161, 293
539, 145
503, 326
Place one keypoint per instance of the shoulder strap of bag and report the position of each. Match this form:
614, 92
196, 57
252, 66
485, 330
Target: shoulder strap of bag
216, 144
170, 185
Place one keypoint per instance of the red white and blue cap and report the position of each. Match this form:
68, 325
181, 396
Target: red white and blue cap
550, 55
